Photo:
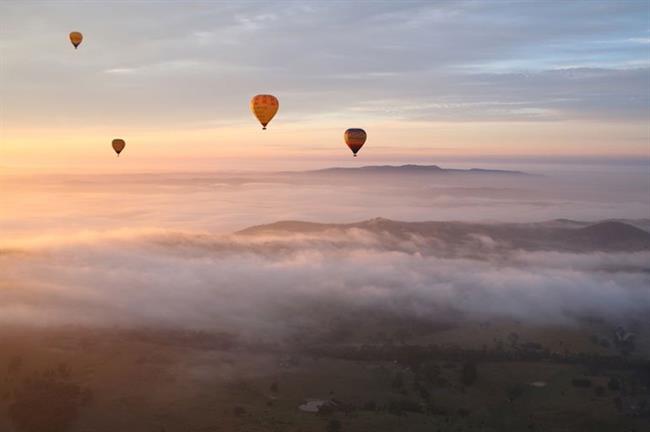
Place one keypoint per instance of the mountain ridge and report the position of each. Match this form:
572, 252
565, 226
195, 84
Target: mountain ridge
410, 169
607, 235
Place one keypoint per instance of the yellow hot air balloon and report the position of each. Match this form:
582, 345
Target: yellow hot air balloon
264, 108
118, 145
76, 38
355, 139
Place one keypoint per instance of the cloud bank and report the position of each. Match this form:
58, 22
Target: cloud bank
261, 286
157, 252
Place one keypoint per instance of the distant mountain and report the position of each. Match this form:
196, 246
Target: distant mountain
459, 238
409, 169
611, 234
642, 224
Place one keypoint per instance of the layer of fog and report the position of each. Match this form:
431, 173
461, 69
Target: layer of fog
278, 287
223, 202
156, 250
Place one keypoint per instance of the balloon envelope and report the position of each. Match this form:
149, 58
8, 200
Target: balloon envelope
118, 145
76, 38
264, 108
355, 139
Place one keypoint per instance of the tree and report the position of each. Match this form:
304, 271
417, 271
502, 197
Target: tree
614, 384
370, 406
333, 426
468, 374
514, 392
513, 338
398, 381
581, 382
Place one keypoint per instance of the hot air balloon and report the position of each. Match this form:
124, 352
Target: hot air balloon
76, 38
355, 138
118, 145
264, 108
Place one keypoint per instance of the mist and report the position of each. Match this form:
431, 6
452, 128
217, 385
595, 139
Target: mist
269, 286
222, 202
162, 251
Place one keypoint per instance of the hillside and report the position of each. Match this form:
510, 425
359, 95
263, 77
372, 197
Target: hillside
574, 237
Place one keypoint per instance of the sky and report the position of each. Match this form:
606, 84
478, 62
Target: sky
429, 81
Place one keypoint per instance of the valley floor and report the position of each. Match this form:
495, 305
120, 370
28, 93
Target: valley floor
475, 377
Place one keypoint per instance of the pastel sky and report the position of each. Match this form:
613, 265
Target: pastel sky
427, 80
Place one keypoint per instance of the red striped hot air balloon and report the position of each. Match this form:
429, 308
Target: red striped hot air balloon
355, 139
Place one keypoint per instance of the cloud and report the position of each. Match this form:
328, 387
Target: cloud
281, 286
161, 67
640, 40
335, 59
120, 70
155, 253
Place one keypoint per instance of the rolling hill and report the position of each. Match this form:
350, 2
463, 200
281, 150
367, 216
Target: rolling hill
614, 236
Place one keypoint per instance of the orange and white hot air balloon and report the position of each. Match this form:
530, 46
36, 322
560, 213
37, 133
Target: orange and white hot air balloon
355, 139
118, 145
264, 107
76, 38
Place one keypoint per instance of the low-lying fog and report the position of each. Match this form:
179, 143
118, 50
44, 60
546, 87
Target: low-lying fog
159, 249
